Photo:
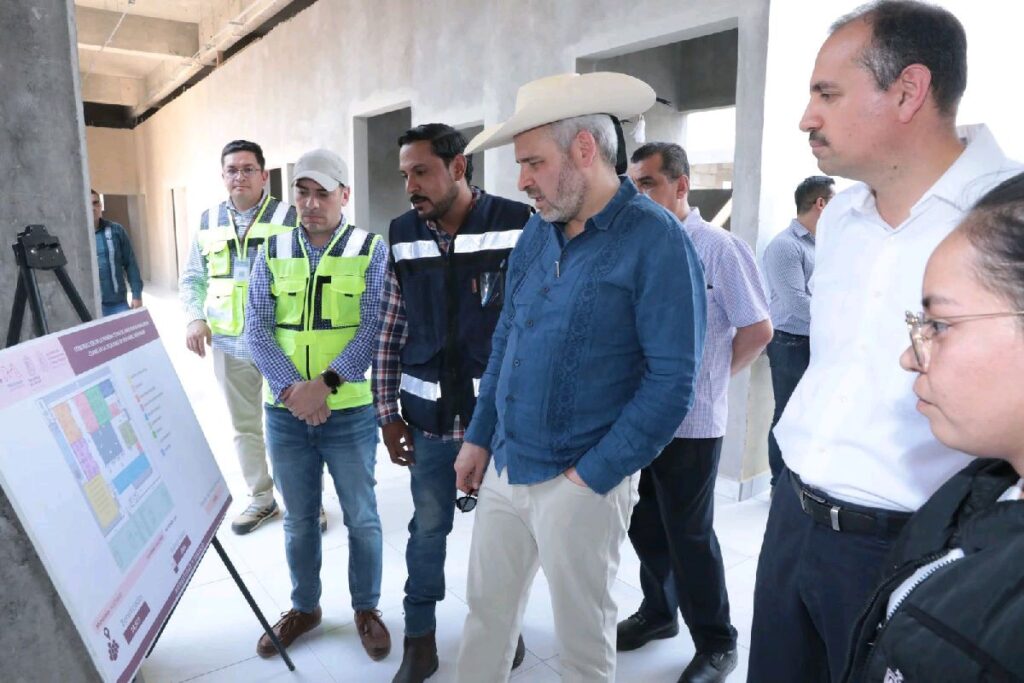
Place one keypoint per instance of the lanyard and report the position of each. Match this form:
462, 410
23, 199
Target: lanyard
255, 220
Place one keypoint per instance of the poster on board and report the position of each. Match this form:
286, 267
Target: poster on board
109, 472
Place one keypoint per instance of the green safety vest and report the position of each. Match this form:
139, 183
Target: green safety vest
228, 281
339, 281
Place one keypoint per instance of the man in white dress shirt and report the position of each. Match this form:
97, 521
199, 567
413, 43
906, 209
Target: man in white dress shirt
859, 458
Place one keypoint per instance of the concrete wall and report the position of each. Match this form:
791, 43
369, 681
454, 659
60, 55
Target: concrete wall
386, 191
698, 73
44, 181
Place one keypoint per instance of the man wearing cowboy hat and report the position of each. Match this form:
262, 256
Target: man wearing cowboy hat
592, 368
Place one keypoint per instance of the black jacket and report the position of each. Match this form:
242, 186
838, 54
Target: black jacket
965, 621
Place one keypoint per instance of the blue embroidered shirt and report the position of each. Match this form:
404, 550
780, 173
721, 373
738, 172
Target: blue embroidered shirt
595, 356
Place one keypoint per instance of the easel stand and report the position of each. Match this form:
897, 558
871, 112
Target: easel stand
36, 249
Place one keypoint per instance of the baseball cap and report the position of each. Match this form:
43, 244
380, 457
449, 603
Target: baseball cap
322, 166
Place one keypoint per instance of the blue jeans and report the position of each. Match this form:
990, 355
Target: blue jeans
347, 443
111, 309
433, 495
788, 355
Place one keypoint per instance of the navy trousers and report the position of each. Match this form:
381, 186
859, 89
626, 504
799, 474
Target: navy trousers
812, 585
788, 356
671, 531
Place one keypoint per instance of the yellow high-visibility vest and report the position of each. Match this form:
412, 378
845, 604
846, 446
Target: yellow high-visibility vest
331, 294
228, 282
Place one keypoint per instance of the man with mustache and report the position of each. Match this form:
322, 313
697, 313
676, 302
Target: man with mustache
314, 318
214, 288
592, 368
442, 296
859, 458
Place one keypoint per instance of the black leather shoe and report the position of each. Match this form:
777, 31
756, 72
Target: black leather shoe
636, 631
419, 660
520, 654
709, 667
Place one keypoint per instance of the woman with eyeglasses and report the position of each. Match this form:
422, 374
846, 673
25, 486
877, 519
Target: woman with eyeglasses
951, 607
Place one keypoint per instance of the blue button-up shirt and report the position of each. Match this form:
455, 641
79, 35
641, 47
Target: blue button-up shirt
595, 356
788, 266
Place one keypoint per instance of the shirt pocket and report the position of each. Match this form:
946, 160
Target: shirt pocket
341, 304
290, 300
218, 257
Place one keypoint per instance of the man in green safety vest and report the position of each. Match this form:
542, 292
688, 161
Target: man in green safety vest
213, 289
314, 317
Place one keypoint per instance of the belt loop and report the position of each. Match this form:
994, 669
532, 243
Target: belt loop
834, 516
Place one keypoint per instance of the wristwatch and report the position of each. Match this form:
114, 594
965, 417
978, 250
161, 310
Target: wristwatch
332, 380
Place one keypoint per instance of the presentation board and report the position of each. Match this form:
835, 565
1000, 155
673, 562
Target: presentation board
109, 472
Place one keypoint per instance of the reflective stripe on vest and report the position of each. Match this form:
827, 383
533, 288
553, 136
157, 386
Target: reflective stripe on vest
412, 250
484, 241
227, 290
341, 281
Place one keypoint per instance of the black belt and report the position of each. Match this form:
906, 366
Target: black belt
844, 517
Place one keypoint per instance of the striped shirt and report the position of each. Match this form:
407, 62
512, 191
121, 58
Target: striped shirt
194, 280
736, 298
387, 371
354, 360
788, 266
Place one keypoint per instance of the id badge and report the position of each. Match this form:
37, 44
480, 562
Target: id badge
240, 269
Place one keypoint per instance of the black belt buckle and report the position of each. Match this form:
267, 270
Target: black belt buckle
833, 510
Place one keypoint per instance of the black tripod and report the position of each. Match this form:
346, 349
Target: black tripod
36, 249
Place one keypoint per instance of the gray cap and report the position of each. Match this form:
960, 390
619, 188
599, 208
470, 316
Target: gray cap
322, 166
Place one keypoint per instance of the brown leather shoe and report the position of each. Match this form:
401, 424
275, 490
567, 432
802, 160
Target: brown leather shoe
290, 626
373, 633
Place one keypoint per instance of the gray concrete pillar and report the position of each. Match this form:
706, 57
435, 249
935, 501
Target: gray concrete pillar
42, 140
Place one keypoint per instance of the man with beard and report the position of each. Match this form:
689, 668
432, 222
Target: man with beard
442, 296
592, 368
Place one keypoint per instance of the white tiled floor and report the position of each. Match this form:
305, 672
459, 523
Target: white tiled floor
212, 634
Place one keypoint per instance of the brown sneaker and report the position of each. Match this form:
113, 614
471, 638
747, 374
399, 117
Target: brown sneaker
373, 633
290, 626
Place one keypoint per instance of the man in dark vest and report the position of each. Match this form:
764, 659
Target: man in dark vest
442, 295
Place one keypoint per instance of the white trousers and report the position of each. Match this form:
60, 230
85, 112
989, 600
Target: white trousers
242, 385
574, 535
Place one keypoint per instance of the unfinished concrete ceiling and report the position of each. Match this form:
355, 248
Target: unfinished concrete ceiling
135, 53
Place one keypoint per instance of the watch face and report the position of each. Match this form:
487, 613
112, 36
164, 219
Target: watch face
331, 379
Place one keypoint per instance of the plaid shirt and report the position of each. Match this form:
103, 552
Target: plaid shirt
353, 361
387, 370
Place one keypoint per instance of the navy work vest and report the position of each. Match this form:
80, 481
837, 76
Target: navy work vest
452, 302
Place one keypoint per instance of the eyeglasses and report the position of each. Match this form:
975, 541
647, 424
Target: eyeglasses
241, 172
466, 503
923, 329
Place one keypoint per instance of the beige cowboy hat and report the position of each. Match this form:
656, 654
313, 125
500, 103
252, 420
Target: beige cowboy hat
565, 96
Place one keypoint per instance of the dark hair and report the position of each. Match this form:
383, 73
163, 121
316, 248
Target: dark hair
674, 163
445, 142
995, 228
905, 32
810, 189
243, 146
